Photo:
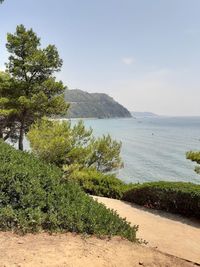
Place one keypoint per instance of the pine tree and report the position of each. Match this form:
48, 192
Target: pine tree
74, 146
32, 91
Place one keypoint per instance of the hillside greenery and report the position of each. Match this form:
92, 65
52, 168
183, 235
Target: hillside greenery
175, 197
93, 105
96, 183
35, 197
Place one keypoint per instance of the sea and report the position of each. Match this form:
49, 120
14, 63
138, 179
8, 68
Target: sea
153, 148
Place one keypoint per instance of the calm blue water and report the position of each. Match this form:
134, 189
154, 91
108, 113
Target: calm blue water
154, 148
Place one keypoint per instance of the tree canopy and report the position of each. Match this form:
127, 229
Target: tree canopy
28, 89
8, 106
67, 146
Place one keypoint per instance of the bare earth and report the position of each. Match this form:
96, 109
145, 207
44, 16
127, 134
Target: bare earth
168, 233
65, 250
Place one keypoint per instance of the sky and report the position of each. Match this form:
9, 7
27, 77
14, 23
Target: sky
145, 54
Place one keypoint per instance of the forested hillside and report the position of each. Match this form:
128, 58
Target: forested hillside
93, 105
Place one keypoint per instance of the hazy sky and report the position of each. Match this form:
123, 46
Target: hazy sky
144, 53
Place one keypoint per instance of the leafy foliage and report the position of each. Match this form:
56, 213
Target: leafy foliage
175, 197
63, 144
194, 156
30, 89
8, 107
34, 197
97, 183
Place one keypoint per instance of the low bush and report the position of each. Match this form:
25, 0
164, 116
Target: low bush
34, 197
176, 197
99, 184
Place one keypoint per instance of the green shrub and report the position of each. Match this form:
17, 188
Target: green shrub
176, 197
35, 197
99, 184
194, 156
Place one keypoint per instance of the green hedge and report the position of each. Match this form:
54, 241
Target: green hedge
96, 183
176, 197
35, 197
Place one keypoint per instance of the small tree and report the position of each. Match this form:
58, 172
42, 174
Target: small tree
105, 154
32, 85
67, 145
194, 156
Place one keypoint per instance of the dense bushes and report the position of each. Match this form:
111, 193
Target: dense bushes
96, 183
175, 197
34, 197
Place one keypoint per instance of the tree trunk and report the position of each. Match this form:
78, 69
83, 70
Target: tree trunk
6, 136
21, 137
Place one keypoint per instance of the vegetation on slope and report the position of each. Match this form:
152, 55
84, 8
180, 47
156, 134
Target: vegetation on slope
34, 197
93, 105
96, 183
176, 197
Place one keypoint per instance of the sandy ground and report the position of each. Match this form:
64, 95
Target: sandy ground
64, 250
168, 233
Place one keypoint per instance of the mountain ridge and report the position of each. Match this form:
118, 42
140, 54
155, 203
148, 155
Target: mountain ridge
93, 105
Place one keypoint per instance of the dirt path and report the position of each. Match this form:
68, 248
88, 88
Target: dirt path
171, 234
67, 250
167, 233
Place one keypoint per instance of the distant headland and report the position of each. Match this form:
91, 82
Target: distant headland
94, 105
